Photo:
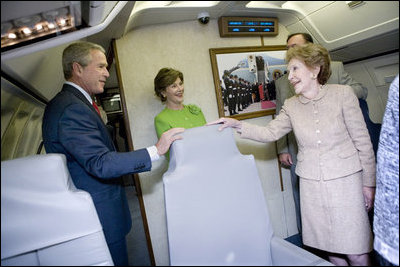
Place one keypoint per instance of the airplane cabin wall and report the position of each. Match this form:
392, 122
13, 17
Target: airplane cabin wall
21, 122
376, 74
185, 46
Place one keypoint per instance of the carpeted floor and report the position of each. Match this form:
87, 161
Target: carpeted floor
267, 105
136, 239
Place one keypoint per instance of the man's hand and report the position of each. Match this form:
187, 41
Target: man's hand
285, 159
167, 138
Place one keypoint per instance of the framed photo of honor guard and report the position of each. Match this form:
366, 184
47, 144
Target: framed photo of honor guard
244, 79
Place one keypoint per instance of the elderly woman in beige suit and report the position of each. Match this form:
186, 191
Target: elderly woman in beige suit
336, 162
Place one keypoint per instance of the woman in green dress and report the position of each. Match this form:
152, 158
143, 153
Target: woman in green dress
168, 86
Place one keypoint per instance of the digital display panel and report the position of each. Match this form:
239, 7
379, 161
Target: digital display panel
250, 29
247, 26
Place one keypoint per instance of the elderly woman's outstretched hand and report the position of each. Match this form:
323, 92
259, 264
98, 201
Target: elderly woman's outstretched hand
226, 122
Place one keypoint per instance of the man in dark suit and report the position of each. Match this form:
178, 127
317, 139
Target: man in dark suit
73, 127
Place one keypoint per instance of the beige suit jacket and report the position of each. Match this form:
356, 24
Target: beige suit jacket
285, 90
330, 131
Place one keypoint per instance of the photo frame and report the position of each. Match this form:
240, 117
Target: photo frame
244, 79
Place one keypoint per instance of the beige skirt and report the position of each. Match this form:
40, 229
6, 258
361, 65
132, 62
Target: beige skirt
333, 215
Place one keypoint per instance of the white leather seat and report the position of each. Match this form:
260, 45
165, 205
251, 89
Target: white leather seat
215, 206
45, 220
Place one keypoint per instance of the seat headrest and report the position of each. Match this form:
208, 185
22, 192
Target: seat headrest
43, 167
219, 144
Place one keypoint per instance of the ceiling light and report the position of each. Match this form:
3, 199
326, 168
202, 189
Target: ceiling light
28, 29
12, 36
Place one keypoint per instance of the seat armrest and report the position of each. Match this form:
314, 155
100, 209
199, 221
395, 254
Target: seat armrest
285, 253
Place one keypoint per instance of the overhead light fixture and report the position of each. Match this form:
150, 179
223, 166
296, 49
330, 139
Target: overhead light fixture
37, 27
353, 4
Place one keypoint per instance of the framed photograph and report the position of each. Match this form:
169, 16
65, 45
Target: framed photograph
244, 79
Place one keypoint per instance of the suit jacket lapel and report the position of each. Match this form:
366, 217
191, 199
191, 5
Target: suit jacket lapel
78, 94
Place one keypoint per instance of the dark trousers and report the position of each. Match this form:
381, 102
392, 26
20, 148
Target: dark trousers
381, 261
119, 252
374, 129
296, 194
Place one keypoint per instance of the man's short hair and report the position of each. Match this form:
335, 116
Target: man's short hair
78, 52
305, 35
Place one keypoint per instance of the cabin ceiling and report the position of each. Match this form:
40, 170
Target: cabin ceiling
346, 38
357, 33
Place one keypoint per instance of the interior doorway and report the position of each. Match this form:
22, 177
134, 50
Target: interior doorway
113, 107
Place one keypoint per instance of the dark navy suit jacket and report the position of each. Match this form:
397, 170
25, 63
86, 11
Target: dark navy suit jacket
71, 126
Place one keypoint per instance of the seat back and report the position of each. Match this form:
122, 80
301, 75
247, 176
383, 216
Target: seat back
215, 206
44, 218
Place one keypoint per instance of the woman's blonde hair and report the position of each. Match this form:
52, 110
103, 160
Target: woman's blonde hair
313, 55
